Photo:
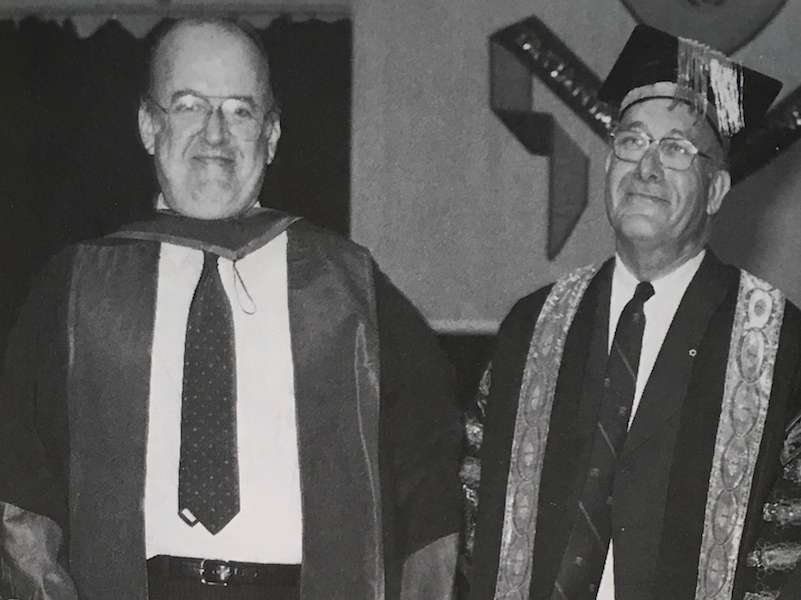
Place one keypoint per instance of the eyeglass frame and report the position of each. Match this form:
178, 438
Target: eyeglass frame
269, 114
651, 140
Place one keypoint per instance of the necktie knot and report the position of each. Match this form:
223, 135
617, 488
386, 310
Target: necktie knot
644, 291
209, 266
209, 260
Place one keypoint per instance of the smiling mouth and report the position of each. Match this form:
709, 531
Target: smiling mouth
645, 196
213, 160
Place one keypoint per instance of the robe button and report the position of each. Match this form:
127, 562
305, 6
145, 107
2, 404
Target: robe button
693, 352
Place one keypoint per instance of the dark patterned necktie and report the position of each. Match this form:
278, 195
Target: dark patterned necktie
208, 478
583, 562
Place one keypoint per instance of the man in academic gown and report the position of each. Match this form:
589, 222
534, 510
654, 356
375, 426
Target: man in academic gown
635, 434
225, 401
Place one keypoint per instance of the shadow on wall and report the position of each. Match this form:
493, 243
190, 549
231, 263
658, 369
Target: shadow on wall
759, 225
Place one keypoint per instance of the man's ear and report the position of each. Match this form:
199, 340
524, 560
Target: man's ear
719, 186
147, 128
273, 134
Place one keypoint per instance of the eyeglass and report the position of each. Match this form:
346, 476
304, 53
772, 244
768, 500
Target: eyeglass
674, 152
190, 113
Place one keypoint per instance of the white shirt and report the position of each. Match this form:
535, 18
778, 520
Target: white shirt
659, 312
268, 528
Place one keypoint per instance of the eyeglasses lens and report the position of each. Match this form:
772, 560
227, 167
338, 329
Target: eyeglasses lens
674, 153
192, 113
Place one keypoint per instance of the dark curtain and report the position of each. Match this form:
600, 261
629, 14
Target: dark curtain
71, 166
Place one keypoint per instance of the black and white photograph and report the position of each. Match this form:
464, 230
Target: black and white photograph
375, 300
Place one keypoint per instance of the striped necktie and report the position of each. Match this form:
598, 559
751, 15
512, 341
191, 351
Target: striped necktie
583, 562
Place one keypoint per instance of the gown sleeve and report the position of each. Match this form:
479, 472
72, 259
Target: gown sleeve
34, 445
421, 439
774, 561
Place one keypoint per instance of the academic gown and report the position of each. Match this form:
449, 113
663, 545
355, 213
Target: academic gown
378, 423
662, 473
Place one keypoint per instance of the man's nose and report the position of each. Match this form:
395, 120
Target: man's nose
215, 130
650, 166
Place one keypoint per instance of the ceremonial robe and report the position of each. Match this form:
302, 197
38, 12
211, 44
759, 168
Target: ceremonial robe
378, 425
663, 471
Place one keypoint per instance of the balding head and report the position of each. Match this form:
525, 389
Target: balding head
209, 118
213, 37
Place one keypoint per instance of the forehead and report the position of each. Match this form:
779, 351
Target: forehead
209, 59
662, 116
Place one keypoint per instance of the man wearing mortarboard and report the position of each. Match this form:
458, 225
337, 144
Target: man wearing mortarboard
634, 443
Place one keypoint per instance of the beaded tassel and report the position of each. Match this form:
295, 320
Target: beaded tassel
701, 68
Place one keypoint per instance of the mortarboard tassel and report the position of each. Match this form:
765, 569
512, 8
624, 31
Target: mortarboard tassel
692, 74
726, 80
700, 68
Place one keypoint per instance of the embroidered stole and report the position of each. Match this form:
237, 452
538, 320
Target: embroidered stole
749, 373
749, 378
531, 433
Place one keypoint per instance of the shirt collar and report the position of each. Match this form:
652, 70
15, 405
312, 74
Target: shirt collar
674, 282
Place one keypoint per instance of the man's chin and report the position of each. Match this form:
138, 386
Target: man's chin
637, 228
211, 207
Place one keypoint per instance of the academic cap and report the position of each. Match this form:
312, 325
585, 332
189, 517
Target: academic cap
657, 64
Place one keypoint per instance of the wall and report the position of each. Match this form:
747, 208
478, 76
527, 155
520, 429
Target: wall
760, 224
453, 207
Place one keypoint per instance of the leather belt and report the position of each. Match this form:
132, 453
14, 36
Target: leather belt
221, 572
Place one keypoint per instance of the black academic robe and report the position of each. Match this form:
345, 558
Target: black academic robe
662, 473
378, 424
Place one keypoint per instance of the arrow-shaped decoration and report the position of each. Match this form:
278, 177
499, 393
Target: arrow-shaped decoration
529, 48
511, 98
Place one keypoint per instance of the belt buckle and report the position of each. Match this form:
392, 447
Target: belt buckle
215, 572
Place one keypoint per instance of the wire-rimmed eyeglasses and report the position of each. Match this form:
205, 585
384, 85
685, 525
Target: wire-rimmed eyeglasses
190, 112
675, 153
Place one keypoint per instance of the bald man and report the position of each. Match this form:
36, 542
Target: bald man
223, 401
